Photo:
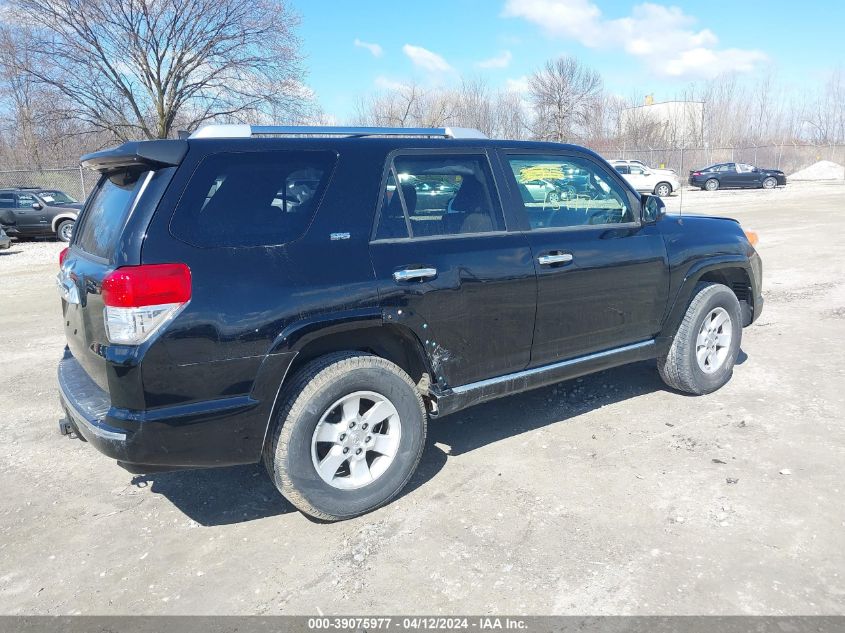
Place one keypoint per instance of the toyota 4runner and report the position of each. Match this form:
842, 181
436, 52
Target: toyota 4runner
310, 297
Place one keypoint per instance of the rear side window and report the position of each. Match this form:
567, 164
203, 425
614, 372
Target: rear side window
439, 195
106, 213
252, 198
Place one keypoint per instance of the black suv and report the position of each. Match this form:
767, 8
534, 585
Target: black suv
297, 296
37, 212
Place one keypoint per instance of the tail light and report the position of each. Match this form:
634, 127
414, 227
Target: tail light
696, 173
141, 299
63, 256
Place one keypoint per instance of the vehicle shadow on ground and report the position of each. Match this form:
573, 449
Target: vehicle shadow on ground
9, 252
223, 496
219, 496
488, 423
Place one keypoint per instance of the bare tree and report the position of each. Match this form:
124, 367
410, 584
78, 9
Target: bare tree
563, 93
511, 116
408, 105
143, 67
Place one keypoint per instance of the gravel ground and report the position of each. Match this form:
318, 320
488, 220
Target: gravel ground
604, 495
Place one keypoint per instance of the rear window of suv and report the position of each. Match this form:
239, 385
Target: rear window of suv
252, 198
106, 213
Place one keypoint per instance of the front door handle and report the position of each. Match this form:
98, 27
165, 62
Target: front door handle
555, 258
409, 274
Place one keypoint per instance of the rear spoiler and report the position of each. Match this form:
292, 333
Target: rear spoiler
152, 154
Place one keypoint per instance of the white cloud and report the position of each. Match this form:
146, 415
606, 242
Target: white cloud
502, 60
386, 83
520, 84
375, 49
426, 59
664, 37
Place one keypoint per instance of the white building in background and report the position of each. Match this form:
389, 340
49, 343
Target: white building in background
680, 122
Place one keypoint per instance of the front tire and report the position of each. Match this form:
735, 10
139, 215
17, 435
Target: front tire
349, 436
711, 185
64, 232
704, 350
663, 190
770, 183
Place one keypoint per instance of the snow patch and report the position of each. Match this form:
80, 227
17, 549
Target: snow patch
822, 170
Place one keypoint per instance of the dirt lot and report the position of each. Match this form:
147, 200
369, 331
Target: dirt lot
605, 495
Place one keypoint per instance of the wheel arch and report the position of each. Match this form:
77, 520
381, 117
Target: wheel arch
393, 342
731, 271
61, 218
366, 330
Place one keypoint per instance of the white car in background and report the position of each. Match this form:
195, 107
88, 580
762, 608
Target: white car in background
660, 182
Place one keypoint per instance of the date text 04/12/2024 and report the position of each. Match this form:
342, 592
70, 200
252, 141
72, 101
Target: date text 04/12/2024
416, 623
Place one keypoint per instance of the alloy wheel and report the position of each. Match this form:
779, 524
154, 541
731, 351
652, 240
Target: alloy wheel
713, 343
356, 440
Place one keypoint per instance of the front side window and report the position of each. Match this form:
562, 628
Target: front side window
252, 198
53, 196
577, 192
438, 195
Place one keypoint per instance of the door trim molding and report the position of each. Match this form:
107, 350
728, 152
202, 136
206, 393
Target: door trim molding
463, 396
527, 373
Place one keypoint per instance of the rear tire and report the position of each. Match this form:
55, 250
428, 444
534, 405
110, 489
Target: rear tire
317, 427
711, 330
711, 185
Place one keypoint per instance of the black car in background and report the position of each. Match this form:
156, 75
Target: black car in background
37, 212
736, 176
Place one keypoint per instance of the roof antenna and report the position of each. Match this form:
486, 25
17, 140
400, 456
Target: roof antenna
681, 184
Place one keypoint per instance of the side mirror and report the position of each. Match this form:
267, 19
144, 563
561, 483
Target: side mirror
653, 208
37, 206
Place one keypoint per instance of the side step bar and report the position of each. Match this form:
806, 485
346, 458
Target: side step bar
464, 396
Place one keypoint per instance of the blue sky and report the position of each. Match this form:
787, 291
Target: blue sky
360, 46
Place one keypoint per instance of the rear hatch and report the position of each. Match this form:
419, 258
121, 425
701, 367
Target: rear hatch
99, 246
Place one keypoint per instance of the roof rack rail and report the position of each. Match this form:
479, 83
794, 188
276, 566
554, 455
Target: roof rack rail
247, 131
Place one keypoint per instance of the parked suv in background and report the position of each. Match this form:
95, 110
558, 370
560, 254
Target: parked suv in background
736, 175
660, 182
36, 212
213, 319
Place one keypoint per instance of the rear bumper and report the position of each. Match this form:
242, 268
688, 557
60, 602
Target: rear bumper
221, 432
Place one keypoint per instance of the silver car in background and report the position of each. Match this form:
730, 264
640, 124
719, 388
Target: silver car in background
660, 182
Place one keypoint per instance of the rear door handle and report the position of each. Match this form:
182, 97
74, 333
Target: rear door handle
554, 258
409, 274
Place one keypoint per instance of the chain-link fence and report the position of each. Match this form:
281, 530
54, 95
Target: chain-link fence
74, 181
78, 182
787, 157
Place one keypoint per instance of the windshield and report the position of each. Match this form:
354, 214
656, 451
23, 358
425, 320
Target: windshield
53, 196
